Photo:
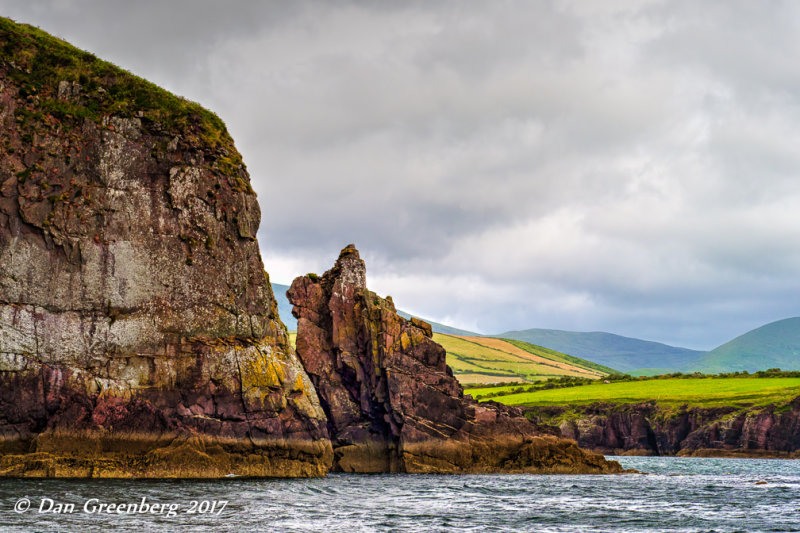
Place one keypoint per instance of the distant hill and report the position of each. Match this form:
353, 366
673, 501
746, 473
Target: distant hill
774, 345
622, 353
491, 360
284, 307
441, 328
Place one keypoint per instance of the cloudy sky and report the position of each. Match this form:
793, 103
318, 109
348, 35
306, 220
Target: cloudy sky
617, 165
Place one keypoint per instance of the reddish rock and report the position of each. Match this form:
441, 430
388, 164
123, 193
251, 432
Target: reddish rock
647, 428
392, 402
134, 307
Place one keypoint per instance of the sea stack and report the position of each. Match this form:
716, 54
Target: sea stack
392, 402
139, 335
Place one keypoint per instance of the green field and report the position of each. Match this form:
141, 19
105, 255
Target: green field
479, 360
707, 392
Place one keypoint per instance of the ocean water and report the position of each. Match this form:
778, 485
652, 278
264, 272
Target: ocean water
678, 494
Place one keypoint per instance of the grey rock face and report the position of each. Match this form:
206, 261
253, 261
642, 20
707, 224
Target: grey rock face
130, 276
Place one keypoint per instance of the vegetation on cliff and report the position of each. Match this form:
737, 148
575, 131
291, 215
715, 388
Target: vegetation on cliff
652, 428
139, 335
62, 85
736, 415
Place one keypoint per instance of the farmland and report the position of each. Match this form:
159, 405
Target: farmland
700, 391
481, 360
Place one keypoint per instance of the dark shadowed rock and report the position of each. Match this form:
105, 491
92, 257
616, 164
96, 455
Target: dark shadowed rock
393, 404
139, 335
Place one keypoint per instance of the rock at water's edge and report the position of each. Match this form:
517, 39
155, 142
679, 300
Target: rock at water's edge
139, 335
393, 404
654, 429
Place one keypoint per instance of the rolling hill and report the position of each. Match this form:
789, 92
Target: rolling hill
491, 360
625, 354
774, 345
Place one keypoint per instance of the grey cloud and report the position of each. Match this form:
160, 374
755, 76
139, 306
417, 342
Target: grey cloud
624, 165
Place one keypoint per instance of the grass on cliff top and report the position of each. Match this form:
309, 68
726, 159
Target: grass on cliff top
38, 61
705, 392
479, 360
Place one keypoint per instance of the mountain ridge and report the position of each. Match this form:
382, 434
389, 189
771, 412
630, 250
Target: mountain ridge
626, 354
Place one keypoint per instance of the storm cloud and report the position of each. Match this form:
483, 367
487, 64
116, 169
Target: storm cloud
626, 166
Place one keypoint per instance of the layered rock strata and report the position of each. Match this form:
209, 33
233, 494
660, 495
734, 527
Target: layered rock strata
139, 335
650, 429
393, 404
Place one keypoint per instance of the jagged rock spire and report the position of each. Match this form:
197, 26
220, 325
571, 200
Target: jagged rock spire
350, 268
392, 402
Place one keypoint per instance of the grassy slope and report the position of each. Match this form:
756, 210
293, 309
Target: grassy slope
558, 356
40, 62
707, 392
622, 353
774, 345
488, 360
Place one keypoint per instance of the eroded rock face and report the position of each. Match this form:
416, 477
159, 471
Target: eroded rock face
393, 404
650, 429
138, 331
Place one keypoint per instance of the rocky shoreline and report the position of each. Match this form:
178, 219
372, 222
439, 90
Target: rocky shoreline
650, 429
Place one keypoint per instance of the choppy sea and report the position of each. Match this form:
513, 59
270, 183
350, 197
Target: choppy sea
677, 494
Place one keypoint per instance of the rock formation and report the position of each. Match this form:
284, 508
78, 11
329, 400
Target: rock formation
651, 429
139, 335
393, 404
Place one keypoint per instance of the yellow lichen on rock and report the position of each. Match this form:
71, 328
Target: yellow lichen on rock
133, 298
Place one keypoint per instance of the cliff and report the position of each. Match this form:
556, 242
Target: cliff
652, 429
139, 335
391, 401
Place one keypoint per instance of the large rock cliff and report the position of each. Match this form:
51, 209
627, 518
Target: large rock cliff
138, 331
393, 404
653, 429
